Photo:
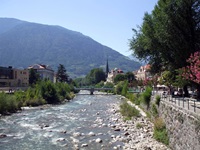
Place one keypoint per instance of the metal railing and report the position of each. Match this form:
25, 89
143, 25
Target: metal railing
184, 102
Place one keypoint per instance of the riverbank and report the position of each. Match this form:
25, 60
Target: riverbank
88, 122
138, 132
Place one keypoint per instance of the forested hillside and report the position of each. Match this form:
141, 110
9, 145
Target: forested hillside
23, 43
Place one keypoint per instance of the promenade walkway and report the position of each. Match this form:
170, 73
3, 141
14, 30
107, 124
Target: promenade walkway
189, 104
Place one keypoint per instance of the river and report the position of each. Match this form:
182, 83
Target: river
82, 123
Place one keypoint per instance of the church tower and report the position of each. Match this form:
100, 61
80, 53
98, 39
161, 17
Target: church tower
107, 68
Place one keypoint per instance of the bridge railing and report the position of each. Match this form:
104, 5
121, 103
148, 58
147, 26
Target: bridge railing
92, 89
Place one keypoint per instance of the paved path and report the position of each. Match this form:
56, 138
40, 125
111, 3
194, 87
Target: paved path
189, 104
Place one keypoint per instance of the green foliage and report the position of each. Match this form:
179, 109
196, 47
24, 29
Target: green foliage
154, 111
100, 84
130, 76
160, 131
128, 111
8, 103
109, 85
125, 88
61, 75
40, 94
168, 78
168, 35
157, 102
180, 81
139, 125
138, 100
63, 90
146, 96
119, 77
95, 76
119, 87
34, 77
48, 92
132, 97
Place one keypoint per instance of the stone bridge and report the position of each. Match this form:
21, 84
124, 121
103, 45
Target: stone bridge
92, 89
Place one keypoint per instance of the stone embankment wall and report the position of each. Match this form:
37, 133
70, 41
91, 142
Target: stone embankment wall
183, 126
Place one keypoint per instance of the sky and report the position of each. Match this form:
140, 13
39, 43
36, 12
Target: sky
109, 22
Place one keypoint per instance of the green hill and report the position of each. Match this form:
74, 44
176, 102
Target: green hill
23, 43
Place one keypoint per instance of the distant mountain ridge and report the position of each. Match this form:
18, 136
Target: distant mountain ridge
23, 43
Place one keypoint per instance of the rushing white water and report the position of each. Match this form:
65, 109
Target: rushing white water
66, 126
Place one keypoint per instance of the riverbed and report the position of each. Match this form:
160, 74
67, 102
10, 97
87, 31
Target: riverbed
88, 122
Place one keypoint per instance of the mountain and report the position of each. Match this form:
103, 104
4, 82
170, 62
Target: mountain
24, 43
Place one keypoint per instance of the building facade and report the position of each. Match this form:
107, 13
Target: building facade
12, 77
45, 71
112, 74
143, 73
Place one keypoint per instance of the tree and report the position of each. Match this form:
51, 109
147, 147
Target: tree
192, 71
119, 77
95, 76
167, 78
168, 35
130, 76
125, 88
33, 76
61, 75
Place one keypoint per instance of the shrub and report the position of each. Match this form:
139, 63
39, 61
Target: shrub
138, 100
49, 93
35, 102
128, 111
125, 88
100, 84
146, 97
108, 85
160, 131
157, 100
119, 87
131, 97
154, 110
8, 103
63, 90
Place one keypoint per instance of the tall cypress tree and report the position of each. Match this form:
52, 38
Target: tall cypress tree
107, 68
61, 75
33, 76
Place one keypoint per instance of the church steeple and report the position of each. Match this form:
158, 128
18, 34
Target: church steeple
107, 68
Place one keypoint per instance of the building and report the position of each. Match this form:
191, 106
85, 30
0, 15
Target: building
12, 77
45, 71
143, 73
112, 74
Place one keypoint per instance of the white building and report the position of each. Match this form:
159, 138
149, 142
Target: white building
112, 74
143, 73
45, 71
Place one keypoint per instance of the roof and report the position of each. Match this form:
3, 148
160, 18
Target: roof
40, 67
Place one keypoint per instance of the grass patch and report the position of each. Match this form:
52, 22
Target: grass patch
160, 131
139, 125
154, 111
128, 111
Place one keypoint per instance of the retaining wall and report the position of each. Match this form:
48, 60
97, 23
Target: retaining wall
183, 126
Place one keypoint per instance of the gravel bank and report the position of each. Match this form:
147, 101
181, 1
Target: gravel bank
138, 132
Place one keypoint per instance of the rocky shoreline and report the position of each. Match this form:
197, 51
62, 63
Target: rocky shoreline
105, 129
135, 134
138, 132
